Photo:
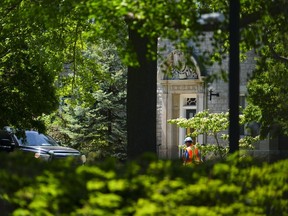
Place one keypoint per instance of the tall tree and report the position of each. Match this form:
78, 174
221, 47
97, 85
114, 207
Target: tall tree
92, 117
58, 24
33, 45
181, 21
141, 105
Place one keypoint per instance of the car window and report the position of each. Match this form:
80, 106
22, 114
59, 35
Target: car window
33, 138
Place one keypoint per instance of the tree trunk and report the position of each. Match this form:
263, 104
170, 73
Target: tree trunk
234, 76
141, 99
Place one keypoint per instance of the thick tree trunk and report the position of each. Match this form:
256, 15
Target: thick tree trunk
141, 100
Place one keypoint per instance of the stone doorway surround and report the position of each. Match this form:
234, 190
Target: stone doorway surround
176, 80
170, 106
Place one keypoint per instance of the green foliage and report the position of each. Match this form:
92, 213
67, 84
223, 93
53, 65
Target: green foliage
268, 91
267, 36
59, 25
204, 122
215, 125
93, 117
38, 37
34, 43
144, 187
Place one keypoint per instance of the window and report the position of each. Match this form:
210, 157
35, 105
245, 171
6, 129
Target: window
190, 102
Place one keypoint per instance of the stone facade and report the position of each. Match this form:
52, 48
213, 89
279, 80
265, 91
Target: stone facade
173, 91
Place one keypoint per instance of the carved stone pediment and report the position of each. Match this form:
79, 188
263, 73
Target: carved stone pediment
176, 67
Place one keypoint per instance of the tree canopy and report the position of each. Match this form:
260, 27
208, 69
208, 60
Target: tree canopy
38, 37
93, 119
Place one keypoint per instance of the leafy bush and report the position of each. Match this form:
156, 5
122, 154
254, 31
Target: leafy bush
214, 125
143, 187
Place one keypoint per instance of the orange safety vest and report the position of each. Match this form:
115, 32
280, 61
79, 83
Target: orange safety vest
194, 155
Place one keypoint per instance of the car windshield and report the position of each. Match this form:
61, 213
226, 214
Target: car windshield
33, 138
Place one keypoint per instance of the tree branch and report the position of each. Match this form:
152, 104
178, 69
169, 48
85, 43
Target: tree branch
276, 55
11, 8
248, 19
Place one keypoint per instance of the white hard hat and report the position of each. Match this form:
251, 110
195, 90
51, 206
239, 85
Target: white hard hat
188, 139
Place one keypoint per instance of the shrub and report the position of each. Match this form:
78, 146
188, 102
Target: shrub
144, 187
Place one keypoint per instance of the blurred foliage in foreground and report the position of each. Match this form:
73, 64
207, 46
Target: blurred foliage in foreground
144, 187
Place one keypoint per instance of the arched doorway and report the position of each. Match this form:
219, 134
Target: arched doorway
181, 93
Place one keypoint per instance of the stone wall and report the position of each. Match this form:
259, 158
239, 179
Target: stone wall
269, 149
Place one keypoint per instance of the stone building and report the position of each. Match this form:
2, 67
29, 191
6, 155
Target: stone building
184, 93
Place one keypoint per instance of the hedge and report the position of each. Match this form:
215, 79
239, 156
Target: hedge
142, 187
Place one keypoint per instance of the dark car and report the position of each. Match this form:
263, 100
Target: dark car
40, 145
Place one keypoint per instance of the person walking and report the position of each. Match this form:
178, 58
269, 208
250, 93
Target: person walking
191, 154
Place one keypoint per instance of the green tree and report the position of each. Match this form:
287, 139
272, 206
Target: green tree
268, 91
268, 36
34, 44
61, 24
93, 117
262, 26
214, 125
